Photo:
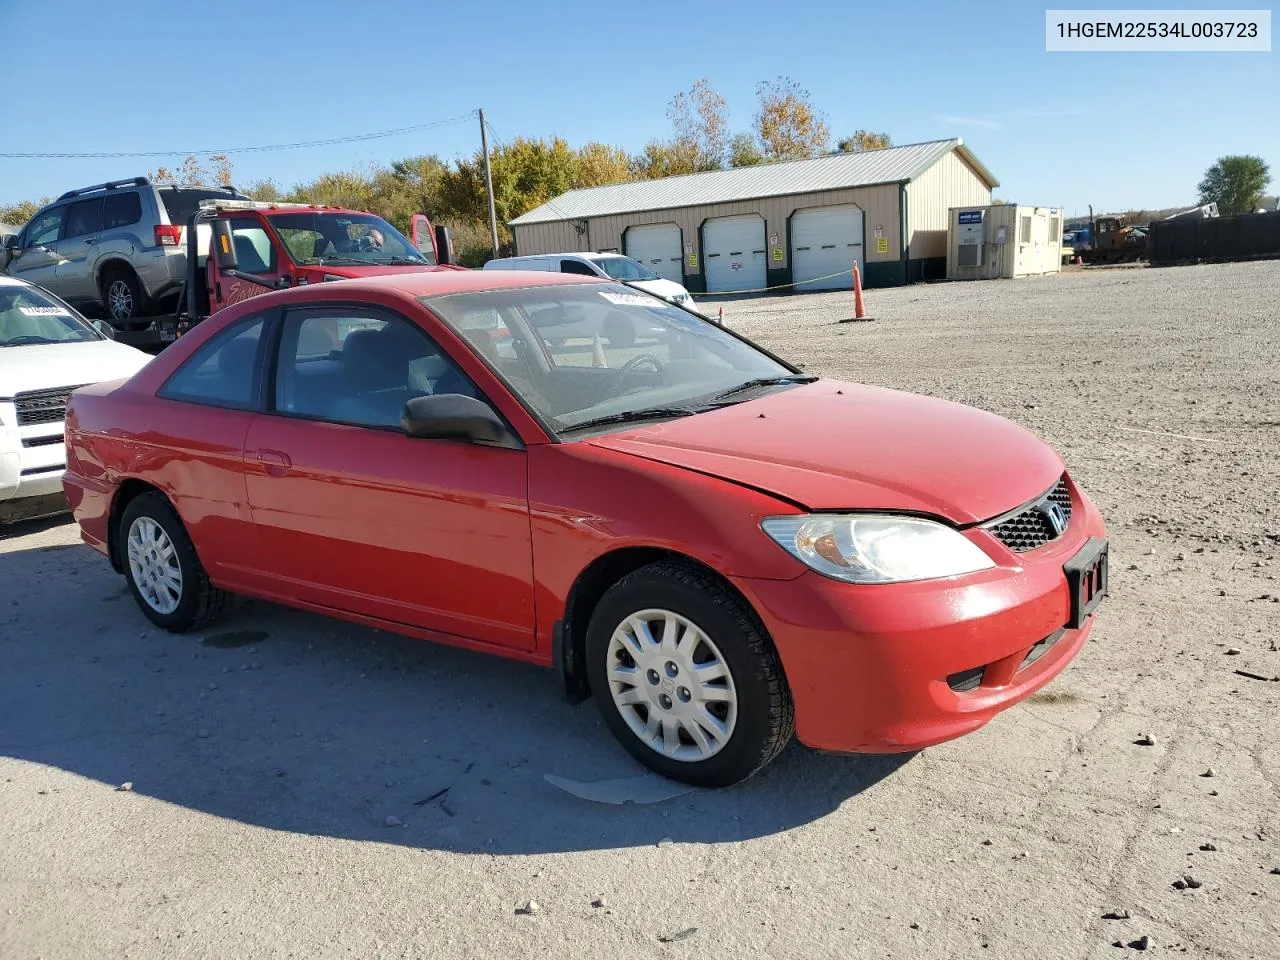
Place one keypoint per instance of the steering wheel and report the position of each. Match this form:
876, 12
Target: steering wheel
630, 367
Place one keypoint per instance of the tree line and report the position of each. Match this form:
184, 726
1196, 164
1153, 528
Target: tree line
529, 171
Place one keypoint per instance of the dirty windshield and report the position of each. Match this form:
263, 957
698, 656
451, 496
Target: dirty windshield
318, 236
584, 353
29, 317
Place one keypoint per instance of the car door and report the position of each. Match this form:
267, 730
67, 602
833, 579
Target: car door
36, 259
195, 443
352, 513
259, 266
81, 231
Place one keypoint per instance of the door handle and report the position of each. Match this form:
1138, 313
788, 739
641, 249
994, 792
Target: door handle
276, 462
90, 240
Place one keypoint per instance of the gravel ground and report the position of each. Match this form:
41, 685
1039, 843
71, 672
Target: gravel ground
304, 788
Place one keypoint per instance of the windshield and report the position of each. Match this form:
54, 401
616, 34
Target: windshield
581, 352
320, 236
624, 268
30, 316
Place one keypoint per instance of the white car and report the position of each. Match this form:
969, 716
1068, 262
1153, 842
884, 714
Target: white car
606, 265
47, 349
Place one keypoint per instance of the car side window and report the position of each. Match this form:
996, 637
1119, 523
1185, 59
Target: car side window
44, 228
255, 253
121, 209
222, 373
84, 217
576, 266
359, 368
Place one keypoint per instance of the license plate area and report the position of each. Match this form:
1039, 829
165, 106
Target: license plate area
1087, 580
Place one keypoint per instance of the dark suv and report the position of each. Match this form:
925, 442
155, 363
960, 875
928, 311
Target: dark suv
116, 248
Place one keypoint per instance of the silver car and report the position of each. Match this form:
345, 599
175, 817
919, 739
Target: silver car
114, 248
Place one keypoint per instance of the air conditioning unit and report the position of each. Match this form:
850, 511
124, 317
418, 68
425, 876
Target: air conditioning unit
969, 253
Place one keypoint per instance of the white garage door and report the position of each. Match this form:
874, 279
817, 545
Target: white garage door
826, 240
659, 247
734, 252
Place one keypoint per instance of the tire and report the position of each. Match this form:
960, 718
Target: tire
123, 298
619, 331
750, 704
173, 590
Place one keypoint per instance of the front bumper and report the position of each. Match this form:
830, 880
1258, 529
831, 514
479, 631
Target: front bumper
32, 461
898, 667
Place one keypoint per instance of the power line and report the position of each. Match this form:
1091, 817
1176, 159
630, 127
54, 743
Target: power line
99, 155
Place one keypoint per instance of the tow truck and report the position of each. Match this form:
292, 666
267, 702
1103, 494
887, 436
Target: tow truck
237, 249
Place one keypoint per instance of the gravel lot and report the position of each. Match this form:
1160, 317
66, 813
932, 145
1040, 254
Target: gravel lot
267, 757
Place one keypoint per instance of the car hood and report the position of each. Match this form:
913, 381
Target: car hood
661, 287
53, 365
831, 445
317, 273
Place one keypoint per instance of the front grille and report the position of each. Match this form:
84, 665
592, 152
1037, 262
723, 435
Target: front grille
42, 441
42, 406
1033, 526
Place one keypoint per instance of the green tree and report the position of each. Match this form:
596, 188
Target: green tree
744, 151
788, 125
600, 164
1235, 183
17, 214
668, 158
863, 140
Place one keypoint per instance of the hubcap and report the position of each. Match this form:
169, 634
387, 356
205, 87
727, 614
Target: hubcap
671, 685
154, 565
120, 300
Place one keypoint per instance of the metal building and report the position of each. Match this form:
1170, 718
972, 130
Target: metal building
801, 222
1004, 240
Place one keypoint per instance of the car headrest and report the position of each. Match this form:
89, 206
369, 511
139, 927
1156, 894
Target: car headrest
373, 360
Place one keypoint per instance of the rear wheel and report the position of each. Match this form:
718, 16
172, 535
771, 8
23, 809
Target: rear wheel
161, 566
686, 677
123, 298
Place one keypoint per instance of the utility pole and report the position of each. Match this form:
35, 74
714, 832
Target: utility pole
488, 184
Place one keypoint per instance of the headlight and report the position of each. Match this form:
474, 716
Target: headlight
876, 549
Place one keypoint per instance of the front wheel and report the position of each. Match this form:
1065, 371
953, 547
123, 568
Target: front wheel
686, 677
161, 566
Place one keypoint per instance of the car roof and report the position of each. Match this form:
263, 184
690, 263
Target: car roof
437, 283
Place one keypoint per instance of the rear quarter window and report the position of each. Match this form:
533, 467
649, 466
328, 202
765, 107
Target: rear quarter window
121, 209
222, 373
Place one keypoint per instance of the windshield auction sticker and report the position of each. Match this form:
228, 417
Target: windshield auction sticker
628, 299
43, 312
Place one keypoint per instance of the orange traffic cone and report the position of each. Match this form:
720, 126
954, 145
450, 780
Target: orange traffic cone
720, 317
598, 358
859, 309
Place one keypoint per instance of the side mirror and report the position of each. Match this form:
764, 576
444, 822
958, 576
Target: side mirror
104, 328
452, 416
10, 250
444, 245
224, 247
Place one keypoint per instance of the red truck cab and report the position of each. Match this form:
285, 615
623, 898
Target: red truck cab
257, 247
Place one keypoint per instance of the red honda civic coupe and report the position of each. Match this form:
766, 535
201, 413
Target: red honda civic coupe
719, 548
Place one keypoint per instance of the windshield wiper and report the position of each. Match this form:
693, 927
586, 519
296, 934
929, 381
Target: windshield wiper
764, 382
631, 416
29, 341
400, 261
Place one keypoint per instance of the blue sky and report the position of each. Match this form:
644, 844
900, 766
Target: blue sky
1114, 130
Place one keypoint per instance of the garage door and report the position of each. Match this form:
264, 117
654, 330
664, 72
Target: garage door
825, 241
734, 252
659, 246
